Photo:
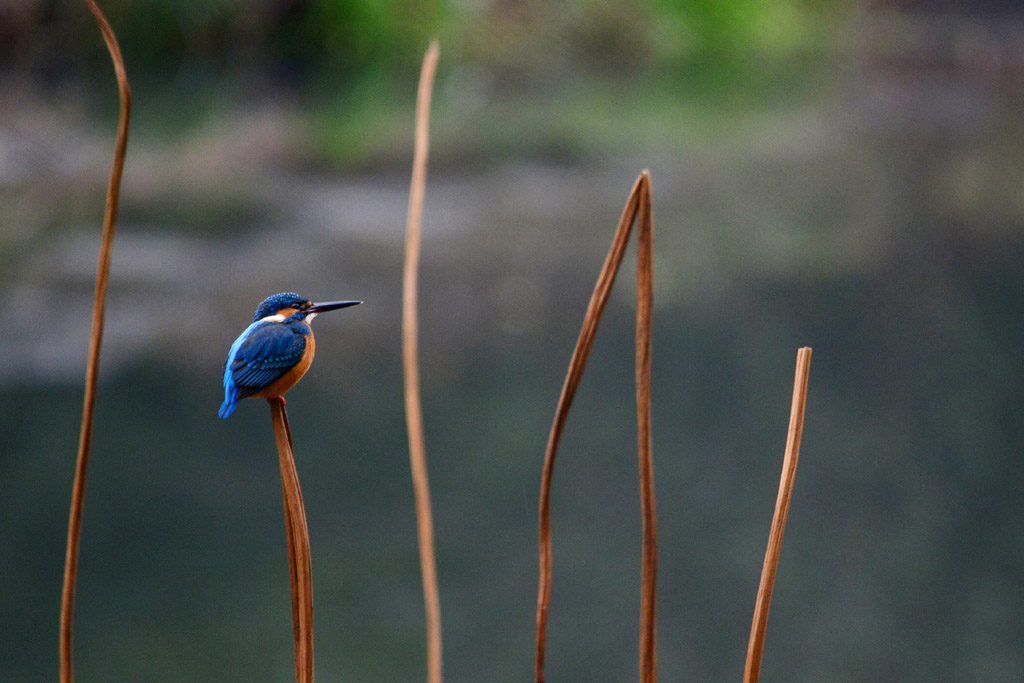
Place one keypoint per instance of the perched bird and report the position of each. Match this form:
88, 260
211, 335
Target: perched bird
275, 351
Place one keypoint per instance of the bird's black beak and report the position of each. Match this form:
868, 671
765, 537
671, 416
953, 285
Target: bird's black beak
330, 306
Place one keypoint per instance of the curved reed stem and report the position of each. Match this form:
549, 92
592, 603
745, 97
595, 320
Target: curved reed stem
755, 646
413, 407
92, 370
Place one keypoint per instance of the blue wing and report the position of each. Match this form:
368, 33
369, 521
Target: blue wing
258, 358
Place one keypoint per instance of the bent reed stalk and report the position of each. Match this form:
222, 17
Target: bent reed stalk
638, 207
755, 646
95, 342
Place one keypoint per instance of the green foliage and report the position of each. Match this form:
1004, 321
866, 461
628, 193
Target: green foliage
739, 27
353, 63
349, 36
310, 38
302, 38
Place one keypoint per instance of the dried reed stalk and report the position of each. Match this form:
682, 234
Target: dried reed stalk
755, 647
644, 301
96, 339
410, 359
638, 207
299, 562
292, 562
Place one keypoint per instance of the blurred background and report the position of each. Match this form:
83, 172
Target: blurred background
844, 175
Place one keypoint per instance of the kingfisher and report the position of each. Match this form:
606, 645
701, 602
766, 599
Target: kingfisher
274, 352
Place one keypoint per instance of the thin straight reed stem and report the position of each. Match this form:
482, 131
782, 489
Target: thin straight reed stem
299, 559
755, 647
644, 303
595, 308
410, 359
95, 342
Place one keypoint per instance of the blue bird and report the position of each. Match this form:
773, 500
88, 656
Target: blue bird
275, 351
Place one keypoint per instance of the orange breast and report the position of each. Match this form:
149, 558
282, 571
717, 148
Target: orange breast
291, 378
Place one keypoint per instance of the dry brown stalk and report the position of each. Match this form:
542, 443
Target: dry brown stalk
92, 370
638, 207
410, 355
299, 561
292, 563
644, 301
755, 647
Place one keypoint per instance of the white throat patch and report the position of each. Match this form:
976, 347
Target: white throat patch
278, 318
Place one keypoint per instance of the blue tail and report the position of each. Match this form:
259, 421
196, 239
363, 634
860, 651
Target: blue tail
230, 402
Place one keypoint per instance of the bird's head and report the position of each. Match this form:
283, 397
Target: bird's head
290, 305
